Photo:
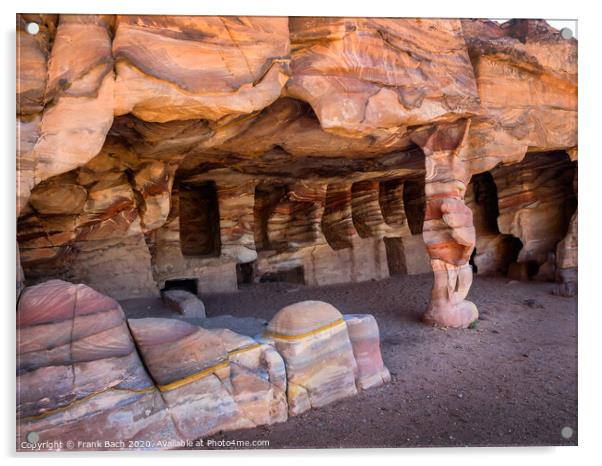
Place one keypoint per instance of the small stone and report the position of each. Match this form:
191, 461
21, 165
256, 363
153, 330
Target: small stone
184, 302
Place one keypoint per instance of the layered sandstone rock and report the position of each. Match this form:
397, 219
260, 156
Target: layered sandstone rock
183, 67
78, 97
305, 141
404, 64
312, 338
79, 377
258, 377
327, 357
536, 202
365, 341
32, 75
449, 232
526, 76
207, 379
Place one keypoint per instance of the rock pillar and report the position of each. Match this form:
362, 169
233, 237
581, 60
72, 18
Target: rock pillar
448, 229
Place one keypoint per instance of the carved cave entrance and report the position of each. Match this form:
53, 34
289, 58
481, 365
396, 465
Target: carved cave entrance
187, 284
414, 202
199, 220
245, 274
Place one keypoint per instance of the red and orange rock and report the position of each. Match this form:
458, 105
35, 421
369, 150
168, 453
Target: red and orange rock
119, 115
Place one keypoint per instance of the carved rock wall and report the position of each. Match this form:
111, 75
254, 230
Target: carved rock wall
320, 139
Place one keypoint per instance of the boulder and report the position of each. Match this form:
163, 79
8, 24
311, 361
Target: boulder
365, 341
312, 338
79, 377
184, 302
211, 380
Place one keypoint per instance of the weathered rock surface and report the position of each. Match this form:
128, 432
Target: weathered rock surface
32, 74
404, 65
183, 67
79, 377
536, 202
312, 339
567, 261
208, 380
78, 110
526, 76
318, 149
258, 377
365, 341
448, 232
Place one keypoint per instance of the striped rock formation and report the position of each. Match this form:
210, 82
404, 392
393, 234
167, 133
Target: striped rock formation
365, 341
79, 376
199, 66
312, 338
327, 357
449, 232
394, 89
227, 150
78, 96
536, 202
211, 380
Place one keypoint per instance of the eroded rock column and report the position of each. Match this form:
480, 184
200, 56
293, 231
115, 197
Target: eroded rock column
337, 221
236, 220
448, 230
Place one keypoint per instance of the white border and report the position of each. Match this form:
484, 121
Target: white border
590, 169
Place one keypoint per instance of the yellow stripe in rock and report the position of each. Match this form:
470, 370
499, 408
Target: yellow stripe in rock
164, 388
205, 372
82, 400
193, 377
244, 349
280, 336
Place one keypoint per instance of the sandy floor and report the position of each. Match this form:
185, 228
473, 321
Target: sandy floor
510, 381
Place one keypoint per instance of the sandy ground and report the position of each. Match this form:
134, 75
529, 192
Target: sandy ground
510, 381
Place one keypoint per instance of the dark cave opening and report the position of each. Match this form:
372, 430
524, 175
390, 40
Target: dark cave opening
187, 284
486, 198
245, 274
199, 220
293, 275
414, 201
511, 249
472, 263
